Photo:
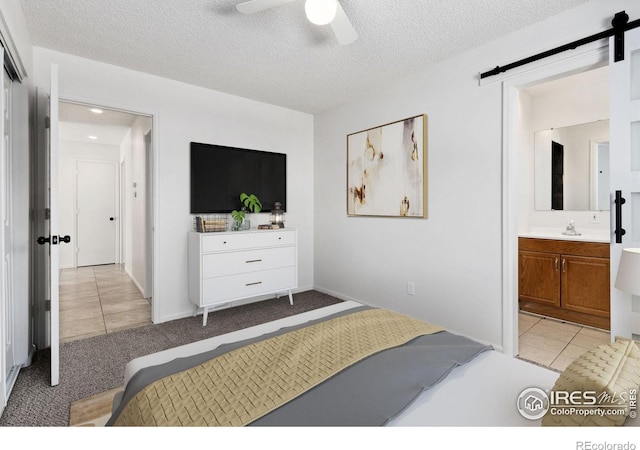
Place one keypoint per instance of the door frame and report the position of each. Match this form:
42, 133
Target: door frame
149, 187
4, 313
121, 211
584, 58
152, 223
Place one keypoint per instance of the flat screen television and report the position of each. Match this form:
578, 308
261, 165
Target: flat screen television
220, 174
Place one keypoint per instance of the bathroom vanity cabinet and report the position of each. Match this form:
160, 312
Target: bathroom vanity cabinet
567, 280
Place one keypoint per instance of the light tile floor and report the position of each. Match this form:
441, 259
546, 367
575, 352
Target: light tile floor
98, 300
554, 343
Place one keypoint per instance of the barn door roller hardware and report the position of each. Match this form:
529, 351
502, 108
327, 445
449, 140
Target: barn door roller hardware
619, 24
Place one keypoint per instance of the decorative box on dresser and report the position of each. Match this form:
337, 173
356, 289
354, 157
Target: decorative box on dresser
230, 266
565, 279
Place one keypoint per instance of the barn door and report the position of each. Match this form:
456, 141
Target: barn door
625, 175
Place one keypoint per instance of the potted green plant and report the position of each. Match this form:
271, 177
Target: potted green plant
238, 219
250, 202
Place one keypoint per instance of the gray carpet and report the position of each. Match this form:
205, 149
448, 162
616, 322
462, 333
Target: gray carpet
95, 365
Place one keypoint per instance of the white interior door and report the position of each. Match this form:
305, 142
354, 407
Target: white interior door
54, 274
625, 173
5, 316
96, 192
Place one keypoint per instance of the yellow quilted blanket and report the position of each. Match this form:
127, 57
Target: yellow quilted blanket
243, 385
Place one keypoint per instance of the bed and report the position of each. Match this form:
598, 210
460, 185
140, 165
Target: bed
450, 385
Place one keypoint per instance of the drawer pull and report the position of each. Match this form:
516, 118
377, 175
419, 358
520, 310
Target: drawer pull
254, 283
555, 265
253, 260
564, 265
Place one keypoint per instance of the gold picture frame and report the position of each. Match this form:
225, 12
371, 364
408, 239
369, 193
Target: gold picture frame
387, 170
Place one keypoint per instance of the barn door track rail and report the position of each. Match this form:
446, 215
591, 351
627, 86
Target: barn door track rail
619, 25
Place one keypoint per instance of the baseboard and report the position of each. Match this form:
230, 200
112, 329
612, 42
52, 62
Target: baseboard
135, 282
137, 285
12, 377
341, 296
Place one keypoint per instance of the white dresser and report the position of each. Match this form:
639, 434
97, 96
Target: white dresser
229, 266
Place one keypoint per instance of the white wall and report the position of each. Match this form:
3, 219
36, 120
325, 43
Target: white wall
454, 256
583, 100
525, 161
127, 201
69, 152
185, 113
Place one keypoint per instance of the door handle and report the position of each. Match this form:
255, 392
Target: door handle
619, 201
112, 219
53, 240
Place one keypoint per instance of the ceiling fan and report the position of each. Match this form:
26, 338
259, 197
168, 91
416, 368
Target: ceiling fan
319, 12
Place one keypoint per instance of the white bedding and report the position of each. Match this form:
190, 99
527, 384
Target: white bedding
482, 392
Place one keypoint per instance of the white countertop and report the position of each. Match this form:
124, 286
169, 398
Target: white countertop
586, 235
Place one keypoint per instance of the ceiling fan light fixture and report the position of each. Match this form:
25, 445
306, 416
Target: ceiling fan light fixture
320, 12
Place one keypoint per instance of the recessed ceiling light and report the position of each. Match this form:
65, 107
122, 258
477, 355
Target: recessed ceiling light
96, 110
93, 138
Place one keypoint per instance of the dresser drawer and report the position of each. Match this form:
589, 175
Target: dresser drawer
226, 267
223, 264
246, 240
233, 287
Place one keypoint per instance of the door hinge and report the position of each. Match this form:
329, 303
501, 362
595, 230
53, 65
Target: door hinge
47, 305
47, 213
47, 122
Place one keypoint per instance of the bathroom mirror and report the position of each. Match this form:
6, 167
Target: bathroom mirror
571, 170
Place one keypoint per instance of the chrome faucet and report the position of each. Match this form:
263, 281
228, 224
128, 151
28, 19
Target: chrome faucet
571, 230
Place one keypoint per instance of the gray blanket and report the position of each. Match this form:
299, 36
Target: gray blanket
369, 393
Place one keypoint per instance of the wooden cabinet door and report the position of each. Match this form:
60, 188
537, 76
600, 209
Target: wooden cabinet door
539, 277
585, 285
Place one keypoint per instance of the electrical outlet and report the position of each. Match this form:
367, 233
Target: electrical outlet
595, 218
411, 288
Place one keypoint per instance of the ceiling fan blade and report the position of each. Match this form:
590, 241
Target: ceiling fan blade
342, 27
256, 6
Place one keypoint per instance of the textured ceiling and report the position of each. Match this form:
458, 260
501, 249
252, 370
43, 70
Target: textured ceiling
79, 113
277, 56
77, 122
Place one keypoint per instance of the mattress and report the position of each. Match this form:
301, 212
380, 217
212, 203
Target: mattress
490, 378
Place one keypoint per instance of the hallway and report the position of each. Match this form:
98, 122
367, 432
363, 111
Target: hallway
98, 300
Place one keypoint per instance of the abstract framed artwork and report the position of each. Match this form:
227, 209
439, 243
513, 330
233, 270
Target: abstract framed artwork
387, 170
